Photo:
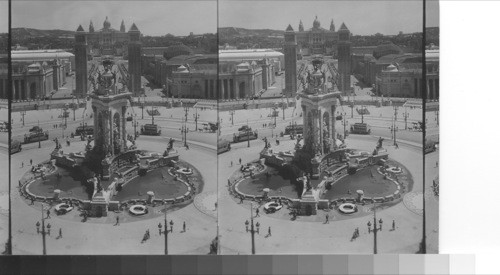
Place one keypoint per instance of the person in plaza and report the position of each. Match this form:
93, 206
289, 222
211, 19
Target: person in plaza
22, 164
257, 212
241, 199
184, 227
117, 220
393, 225
60, 233
32, 201
327, 219
269, 232
240, 161
215, 204
258, 226
396, 145
31, 162
48, 214
231, 164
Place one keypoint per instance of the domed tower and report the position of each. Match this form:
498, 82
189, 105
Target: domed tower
301, 26
134, 60
316, 23
122, 27
106, 25
290, 49
344, 59
81, 62
332, 26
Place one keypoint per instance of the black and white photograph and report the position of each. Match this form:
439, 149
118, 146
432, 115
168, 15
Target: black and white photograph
114, 133
4, 129
321, 117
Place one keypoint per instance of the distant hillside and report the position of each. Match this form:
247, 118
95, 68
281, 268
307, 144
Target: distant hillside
21, 33
232, 31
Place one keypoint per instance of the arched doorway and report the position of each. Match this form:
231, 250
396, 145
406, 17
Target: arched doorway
242, 90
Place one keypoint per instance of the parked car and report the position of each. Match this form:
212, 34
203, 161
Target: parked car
272, 207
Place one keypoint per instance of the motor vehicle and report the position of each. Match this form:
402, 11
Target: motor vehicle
430, 146
272, 207
35, 129
294, 129
15, 146
244, 128
87, 130
360, 128
223, 146
35, 136
245, 135
150, 130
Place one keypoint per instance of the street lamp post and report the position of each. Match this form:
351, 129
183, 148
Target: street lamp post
23, 113
135, 123
43, 233
252, 229
394, 127
74, 107
152, 114
375, 228
344, 123
142, 106
39, 139
283, 106
248, 135
406, 115
363, 108
185, 129
196, 117
166, 231
232, 117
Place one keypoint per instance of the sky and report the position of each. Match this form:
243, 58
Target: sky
151, 17
4, 16
361, 17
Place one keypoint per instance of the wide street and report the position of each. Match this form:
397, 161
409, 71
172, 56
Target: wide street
99, 236
316, 237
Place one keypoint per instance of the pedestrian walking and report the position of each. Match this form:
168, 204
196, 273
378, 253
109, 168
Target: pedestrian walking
215, 204
22, 164
269, 231
184, 227
231, 164
326, 219
48, 214
31, 162
393, 225
117, 220
241, 199
60, 233
257, 212
240, 161
396, 145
